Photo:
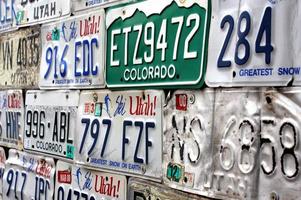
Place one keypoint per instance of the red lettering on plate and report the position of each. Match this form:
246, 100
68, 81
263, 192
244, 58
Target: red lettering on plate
107, 186
64, 176
181, 102
143, 107
89, 26
14, 101
43, 168
87, 108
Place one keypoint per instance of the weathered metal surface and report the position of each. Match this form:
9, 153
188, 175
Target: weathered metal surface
20, 58
147, 190
187, 144
236, 143
280, 152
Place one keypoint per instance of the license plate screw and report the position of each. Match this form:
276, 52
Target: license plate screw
95, 97
274, 196
192, 99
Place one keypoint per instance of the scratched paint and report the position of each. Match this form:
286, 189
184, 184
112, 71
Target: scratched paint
280, 150
236, 143
187, 146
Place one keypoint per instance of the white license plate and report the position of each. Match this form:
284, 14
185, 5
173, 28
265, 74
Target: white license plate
38, 11
7, 15
73, 52
147, 190
187, 141
121, 131
20, 58
50, 119
28, 176
12, 118
236, 143
79, 5
280, 150
252, 43
77, 182
2, 167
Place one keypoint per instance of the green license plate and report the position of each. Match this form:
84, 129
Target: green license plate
155, 43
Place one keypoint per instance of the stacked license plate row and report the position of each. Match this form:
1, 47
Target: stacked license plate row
131, 45
251, 142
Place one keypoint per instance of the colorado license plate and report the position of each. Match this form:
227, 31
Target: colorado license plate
280, 150
236, 143
157, 44
11, 118
2, 167
20, 58
121, 131
37, 11
187, 141
28, 176
73, 52
251, 43
50, 122
77, 182
78, 5
141, 189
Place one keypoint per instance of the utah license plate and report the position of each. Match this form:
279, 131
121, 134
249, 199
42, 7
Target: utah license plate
20, 58
28, 176
73, 52
77, 182
252, 43
11, 118
236, 143
121, 131
187, 141
2, 167
50, 122
280, 150
142, 190
37, 11
154, 44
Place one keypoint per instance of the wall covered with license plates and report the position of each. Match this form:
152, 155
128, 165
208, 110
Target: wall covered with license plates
150, 100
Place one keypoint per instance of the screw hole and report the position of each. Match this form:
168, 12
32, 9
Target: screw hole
268, 99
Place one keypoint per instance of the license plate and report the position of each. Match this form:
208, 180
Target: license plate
252, 44
142, 190
236, 143
20, 58
79, 5
2, 167
73, 52
187, 141
121, 131
7, 15
77, 182
50, 119
38, 11
139, 52
280, 151
12, 118
28, 176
